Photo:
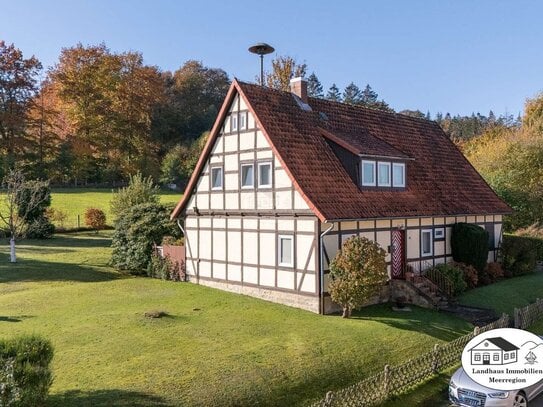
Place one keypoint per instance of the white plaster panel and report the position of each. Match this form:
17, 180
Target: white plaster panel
234, 223
283, 200
439, 221
304, 250
450, 220
249, 223
261, 141
231, 163
308, 284
285, 224
264, 200
367, 224
242, 104
282, 179
231, 182
267, 249
234, 272
383, 238
216, 202
230, 143
267, 277
203, 183
219, 223
262, 155
247, 200
305, 225
231, 200
299, 202
381, 224
426, 221
448, 234
469, 219
285, 279
250, 247
247, 142
497, 218
219, 271
367, 235
215, 159
250, 275
192, 243
192, 201
413, 244
267, 224
189, 267
217, 147
251, 120
440, 260
191, 222
219, 248
234, 105
234, 246
412, 222
205, 222
203, 201
439, 248
205, 244
398, 223
205, 268
480, 219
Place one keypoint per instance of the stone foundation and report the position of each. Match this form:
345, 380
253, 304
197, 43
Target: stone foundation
306, 302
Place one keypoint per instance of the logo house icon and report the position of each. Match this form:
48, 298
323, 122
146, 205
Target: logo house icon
494, 351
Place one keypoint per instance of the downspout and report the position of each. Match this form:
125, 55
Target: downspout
321, 274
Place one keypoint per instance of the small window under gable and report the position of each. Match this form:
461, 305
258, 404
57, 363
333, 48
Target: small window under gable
383, 174
216, 178
368, 173
247, 176
285, 250
243, 121
398, 175
234, 122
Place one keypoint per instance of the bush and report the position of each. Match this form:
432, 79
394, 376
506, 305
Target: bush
26, 376
519, 254
140, 190
164, 268
469, 273
136, 232
172, 241
40, 228
357, 273
56, 215
95, 218
494, 271
535, 234
455, 276
470, 245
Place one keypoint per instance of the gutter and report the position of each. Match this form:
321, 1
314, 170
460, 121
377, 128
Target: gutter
321, 274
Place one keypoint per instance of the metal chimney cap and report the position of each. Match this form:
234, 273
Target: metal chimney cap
261, 48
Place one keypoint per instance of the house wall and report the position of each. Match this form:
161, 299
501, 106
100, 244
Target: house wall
232, 234
381, 231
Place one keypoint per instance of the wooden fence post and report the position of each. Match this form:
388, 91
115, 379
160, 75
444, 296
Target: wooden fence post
328, 399
516, 314
435, 360
386, 384
476, 331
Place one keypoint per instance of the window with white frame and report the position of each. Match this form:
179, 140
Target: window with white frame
216, 178
247, 176
285, 253
242, 121
398, 175
234, 122
426, 242
383, 174
264, 175
368, 173
477, 357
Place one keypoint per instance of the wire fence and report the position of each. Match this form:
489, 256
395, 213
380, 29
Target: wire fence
396, 380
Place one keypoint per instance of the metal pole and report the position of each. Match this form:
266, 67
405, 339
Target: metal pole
261, 70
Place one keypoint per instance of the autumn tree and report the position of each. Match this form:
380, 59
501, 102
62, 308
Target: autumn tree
18, 86
284, 68
357, 273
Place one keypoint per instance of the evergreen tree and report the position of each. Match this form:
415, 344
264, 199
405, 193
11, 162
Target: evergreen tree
369, 96
333, 93
314, 87
352, 94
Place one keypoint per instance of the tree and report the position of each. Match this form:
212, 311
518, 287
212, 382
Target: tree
357, 273
414, 113
16, 211
314, 87
333, 93
172, 165
533, 114
369, 96
139, 190
18, 86
284, 68
352, 94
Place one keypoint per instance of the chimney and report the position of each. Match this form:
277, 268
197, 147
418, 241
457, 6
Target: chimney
298, 86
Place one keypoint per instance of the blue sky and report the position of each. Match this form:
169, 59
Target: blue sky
455, 56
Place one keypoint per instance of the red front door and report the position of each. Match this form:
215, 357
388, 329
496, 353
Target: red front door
397, 250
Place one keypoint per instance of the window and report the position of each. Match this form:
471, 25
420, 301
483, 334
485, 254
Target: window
242, 121
398, 175
368, 173
247, 176
285, 250
426, 242
264, 175
496, 357
383, 174
439, 233
506, 356
216, 178
512, 355
234, 122
477, 357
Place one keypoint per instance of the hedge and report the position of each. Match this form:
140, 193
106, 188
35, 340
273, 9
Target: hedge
25, 374
469, 245
520, 254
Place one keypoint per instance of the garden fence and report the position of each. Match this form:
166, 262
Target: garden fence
395, 380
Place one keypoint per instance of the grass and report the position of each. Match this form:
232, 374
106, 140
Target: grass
74, 201
213, 348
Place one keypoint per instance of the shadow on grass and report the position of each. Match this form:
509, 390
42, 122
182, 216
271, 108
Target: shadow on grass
9, 319
106, 398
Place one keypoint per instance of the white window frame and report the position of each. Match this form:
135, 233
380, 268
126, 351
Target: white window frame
439, 233
422, 252
241, 175
267, 164
279, 254
402, 166
374, 165
214, 188
389, 167
242, 124
234, 122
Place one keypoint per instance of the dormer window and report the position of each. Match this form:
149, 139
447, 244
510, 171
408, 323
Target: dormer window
368, 173
383, 174
398, 175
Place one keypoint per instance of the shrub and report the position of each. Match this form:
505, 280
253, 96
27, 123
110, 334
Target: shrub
140, 190
164, 268
494, 271
37, 224
136, 232
95, 218
470, 245
26, 377
455, 276
173, 241
56, 215
535, 234
357, 273
40, 228
469, 273
519, 255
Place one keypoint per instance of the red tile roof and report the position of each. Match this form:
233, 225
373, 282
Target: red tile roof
440, 180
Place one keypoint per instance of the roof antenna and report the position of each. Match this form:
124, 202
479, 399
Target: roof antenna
261, 49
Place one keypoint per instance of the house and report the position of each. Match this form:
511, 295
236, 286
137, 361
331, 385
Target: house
494, 351
285, 178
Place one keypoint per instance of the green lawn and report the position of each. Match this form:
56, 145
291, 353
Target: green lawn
214, 349
74, 201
